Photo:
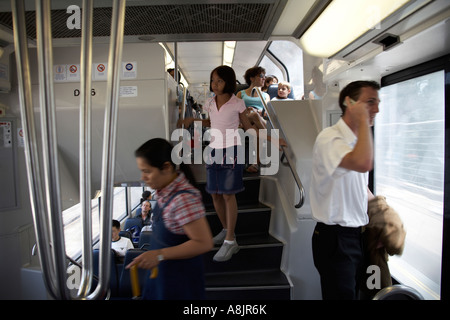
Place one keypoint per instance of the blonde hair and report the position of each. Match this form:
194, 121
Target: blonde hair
284, 83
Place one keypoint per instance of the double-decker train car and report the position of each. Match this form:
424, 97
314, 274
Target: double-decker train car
83, 84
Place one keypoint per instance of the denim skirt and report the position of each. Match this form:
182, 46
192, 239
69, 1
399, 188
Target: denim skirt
224, 173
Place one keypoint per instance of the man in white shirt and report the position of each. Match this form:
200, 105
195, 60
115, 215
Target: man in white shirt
342, 158
119, 244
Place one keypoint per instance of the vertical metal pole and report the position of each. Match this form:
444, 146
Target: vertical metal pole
85, 146
49, 143
175, 69
33, 166
109, 144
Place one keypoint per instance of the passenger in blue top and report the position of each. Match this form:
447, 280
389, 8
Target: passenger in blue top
254, 77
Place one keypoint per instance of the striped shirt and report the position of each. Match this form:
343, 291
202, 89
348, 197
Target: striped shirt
184, 208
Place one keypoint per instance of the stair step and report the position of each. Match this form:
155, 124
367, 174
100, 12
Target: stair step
254, 272
269, 284
257, 252
252, 219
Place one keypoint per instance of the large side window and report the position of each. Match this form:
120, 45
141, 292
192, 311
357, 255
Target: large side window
72, 220
291, 57
409, 172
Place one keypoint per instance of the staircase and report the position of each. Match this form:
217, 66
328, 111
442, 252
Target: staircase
254, 272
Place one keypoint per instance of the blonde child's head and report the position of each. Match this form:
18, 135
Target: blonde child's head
284, 89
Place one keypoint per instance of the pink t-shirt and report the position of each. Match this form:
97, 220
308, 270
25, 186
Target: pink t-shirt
225, 122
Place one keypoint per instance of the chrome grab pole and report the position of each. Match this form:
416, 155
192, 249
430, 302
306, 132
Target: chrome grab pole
276, 125
50, 145
85, 146
109, 145
35, 185
49, 227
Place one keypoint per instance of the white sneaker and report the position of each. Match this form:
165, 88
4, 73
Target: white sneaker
218, 239
226, 251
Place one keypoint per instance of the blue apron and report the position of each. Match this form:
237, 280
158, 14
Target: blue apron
177, 279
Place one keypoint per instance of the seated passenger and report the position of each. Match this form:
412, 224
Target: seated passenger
254, 77
269, 80
146, 195
145, 214
119, 244
284, 89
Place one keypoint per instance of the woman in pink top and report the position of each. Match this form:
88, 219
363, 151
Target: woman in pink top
224, 171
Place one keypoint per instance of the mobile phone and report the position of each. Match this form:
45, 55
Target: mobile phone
351, 101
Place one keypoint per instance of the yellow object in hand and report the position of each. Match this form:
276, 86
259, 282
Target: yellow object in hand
134, 277
154, 273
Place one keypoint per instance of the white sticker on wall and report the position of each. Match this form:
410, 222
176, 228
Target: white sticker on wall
100, 71
7, 136
73, 72
60, 72
128, 91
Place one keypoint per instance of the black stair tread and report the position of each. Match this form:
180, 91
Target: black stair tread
252, 207
254, 240
242, 279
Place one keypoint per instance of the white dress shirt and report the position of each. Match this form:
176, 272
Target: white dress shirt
337, 195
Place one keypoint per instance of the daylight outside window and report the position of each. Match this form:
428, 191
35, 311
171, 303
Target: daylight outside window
291, 56
409, 172
72, 220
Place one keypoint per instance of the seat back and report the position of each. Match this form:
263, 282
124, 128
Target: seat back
144, 240
240, 86
134, 225
125, 233
131, 222
125, 280
114, 277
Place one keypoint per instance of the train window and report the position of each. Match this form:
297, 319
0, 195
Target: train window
72, 220
271, 68
409, 172
291, 56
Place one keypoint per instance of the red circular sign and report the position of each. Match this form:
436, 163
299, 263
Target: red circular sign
101, 67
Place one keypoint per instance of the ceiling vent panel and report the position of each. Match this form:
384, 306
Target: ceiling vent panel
181, 22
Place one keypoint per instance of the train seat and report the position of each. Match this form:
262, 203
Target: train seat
126, 234
240, 86
125, 281
114, 277
134, 226
144, 239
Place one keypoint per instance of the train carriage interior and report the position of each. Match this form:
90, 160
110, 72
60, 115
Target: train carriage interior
318, 46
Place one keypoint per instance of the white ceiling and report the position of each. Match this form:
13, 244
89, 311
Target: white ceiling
198, 59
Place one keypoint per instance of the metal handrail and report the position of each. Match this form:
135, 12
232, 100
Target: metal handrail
46, 209
50, 144
398, 291
85, 147
33, 166
276, 125
109, 145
